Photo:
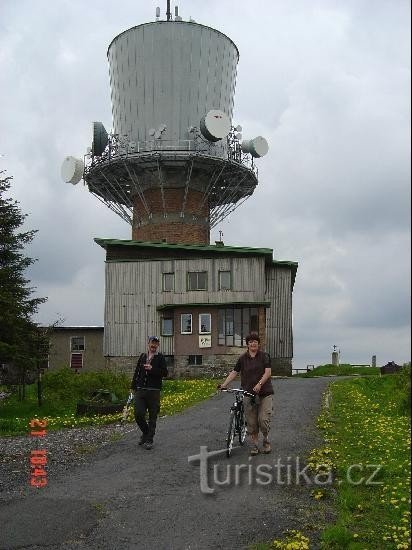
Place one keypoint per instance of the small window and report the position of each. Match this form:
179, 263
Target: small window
197, 280
186, 323
168, 282
170, 360
205, 323
195, 359
76, 360
77, 343
225, 280
167, 326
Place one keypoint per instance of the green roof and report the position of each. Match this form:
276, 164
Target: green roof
215, 304
286, 263
104, 243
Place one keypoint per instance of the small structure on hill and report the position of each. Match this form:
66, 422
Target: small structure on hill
390, 368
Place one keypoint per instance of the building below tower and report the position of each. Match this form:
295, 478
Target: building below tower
201, 300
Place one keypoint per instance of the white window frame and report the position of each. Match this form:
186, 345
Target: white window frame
200, 323
181, 324
72, 348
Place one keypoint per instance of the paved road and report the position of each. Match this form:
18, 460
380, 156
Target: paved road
130, 498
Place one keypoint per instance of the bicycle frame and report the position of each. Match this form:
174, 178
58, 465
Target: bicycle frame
237, 423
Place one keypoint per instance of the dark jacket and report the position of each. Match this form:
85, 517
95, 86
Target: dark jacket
150, 378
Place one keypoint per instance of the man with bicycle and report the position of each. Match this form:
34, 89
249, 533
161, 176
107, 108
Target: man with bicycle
255, 377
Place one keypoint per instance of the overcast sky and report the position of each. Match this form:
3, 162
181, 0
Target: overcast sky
327, 82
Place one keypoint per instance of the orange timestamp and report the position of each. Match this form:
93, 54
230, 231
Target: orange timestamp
38, 457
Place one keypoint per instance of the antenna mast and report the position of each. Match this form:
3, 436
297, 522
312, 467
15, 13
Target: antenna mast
168, 13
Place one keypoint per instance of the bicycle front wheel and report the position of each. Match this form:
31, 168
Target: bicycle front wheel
242, 429
230, 434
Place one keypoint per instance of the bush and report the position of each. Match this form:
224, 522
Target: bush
66, 385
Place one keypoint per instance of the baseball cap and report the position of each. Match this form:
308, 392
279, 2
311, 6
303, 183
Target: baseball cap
153, 339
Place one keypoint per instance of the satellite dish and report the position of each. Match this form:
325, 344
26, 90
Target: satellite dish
215, 125
162, 128
100, 139
238, 128
257, 147
72, 170
152, 132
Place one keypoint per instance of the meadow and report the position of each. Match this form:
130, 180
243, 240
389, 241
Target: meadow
366, 428
343, 369
62, 389
366, 423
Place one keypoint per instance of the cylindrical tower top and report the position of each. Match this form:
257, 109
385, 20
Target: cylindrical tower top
166, 75
173, 165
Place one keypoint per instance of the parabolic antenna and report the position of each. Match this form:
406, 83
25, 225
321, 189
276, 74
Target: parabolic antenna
215, 125
257, 147
72, 170
100, 139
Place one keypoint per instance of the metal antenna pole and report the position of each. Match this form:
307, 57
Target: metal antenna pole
168, 14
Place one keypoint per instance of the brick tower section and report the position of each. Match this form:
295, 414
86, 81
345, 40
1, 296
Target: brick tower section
166, 222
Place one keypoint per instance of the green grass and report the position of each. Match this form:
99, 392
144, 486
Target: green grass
368, 425
366, 422
341, 370
62, 389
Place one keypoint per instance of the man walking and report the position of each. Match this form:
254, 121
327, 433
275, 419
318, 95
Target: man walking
146, 385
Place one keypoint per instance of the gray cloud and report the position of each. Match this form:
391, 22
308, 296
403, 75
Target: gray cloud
326, 82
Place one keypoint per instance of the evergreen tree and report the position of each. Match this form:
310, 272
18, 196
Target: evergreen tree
19, 334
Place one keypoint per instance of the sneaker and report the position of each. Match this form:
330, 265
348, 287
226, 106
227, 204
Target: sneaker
254, 450
266, 448
142, 440
148, 445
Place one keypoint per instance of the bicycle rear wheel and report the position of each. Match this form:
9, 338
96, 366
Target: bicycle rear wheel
230, 434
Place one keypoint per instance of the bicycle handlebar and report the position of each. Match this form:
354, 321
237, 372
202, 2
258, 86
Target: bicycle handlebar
238, 390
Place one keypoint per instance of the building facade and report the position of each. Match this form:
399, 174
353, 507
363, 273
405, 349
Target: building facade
201, 300
174, 166
77, 347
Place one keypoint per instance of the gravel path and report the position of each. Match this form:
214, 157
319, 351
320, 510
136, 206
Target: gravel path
105, 492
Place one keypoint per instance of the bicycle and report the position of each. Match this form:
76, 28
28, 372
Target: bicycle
126, 409
237, 422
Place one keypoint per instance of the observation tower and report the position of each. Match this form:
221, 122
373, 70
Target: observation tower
174, 164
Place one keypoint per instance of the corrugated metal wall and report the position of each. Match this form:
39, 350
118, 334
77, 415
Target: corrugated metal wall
134, 291
279, 335
171, 73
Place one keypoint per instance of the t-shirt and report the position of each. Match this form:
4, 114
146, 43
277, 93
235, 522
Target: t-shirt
251, 371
